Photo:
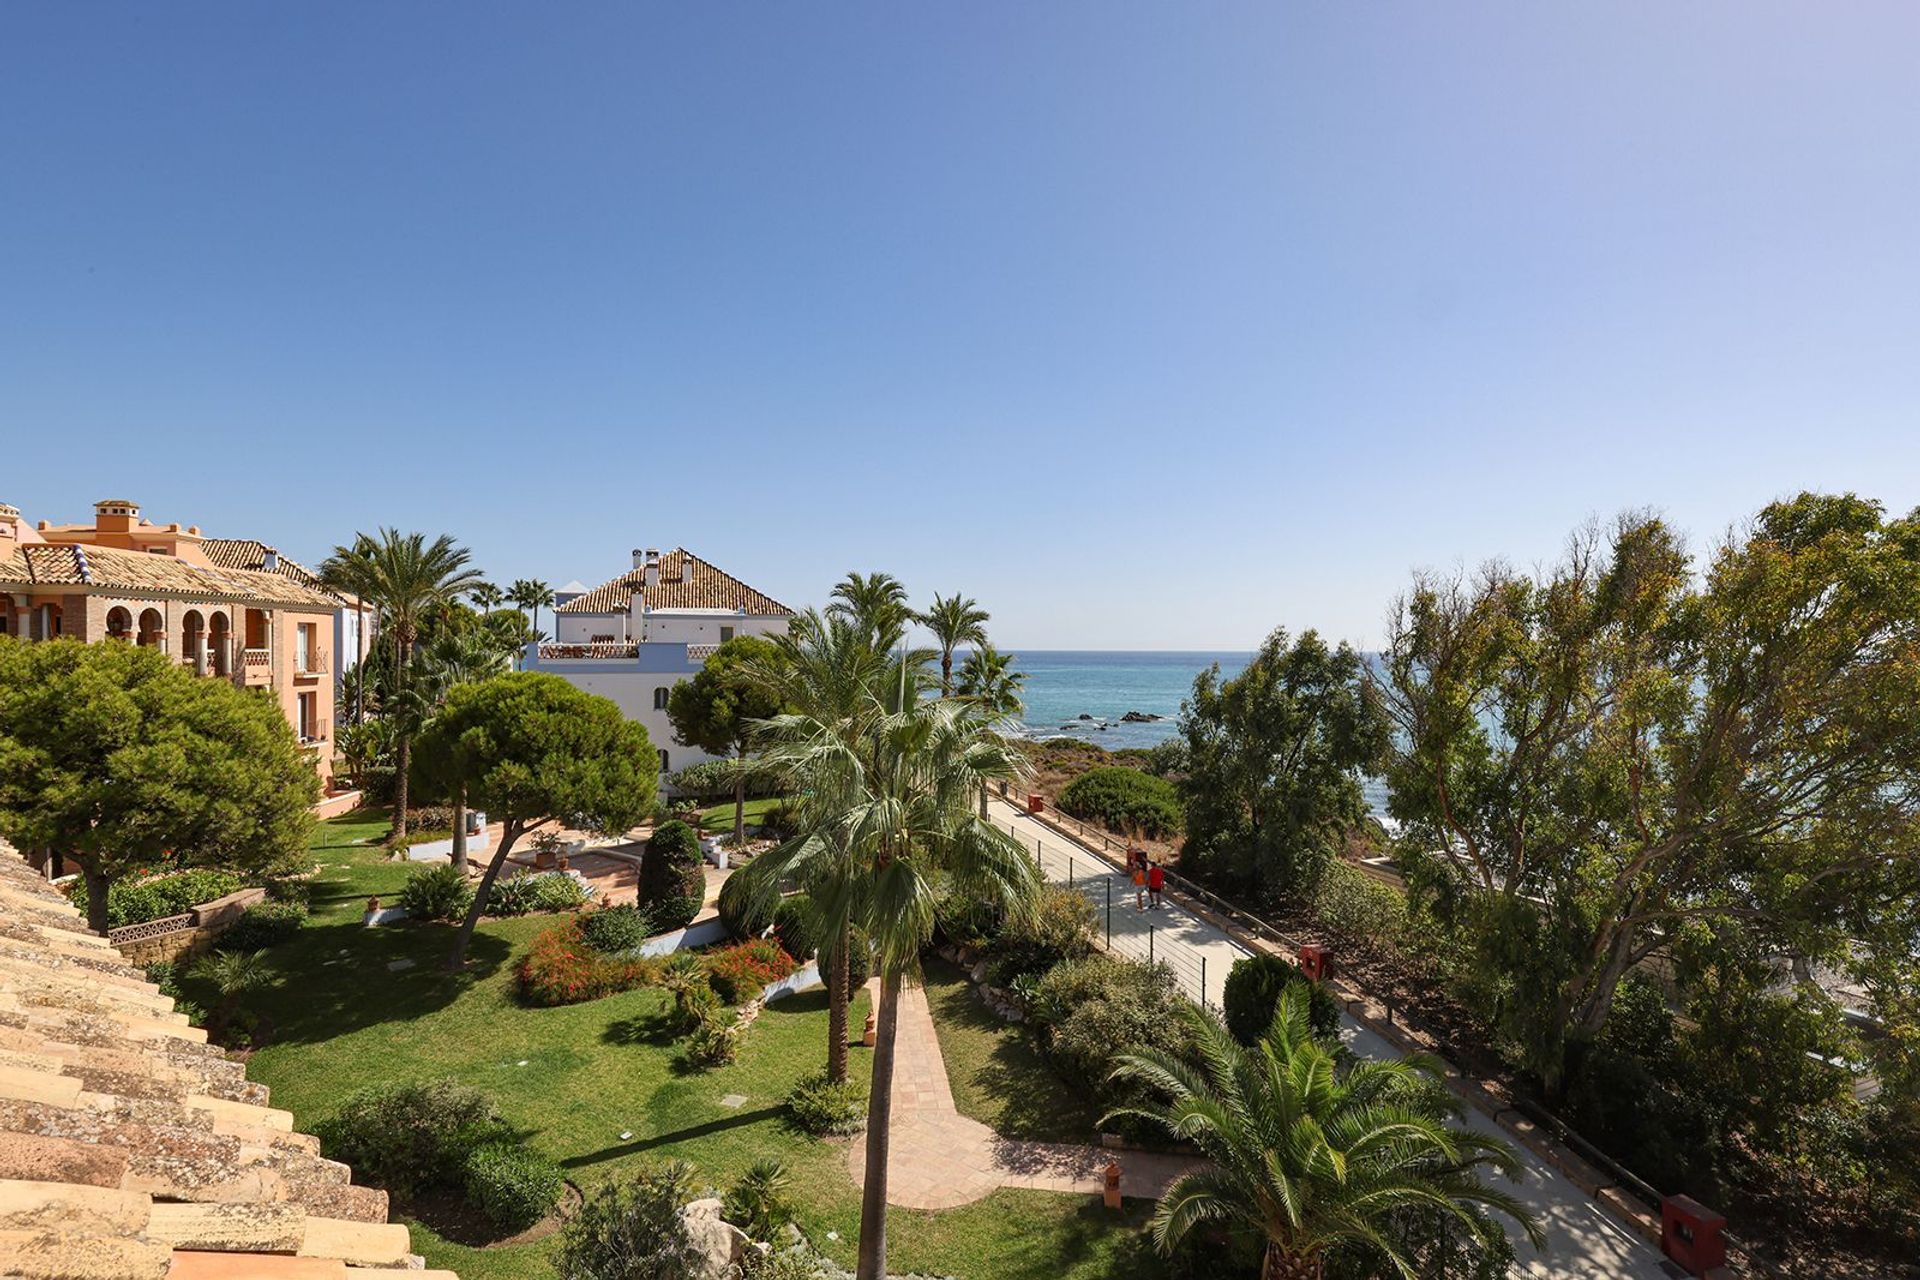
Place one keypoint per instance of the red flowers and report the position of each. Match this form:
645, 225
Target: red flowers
560, 968
740, 971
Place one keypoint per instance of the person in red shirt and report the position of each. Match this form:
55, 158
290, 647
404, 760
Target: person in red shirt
1156, 880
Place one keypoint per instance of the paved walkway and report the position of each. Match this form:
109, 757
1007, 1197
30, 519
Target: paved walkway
1583, 1239
941, 1159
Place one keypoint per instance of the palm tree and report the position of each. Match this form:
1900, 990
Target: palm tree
876, 602
349, 571
532, 595
1308, 1159
988, 679
954, 620
453, 659
888, 813
408, 577
487, 596
231, 974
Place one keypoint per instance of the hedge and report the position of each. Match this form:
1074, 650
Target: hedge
1124, 800
157, 897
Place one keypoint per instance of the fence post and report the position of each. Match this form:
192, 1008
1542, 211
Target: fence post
1149, 944
1109, 883
1069, 871
1203, 982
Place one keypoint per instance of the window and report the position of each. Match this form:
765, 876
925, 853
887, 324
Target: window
663, 760
309, 719
660, 696
726, 634
303, 647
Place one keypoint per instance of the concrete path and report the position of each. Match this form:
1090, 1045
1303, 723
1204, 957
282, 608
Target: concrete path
1583, 1239
941, 1159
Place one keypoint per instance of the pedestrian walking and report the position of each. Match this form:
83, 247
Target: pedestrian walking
1156, 881
1139, 888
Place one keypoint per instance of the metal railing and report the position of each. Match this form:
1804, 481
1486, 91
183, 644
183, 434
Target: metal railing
596, 649
315, 731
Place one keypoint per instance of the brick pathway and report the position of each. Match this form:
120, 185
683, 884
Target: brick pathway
941, 1159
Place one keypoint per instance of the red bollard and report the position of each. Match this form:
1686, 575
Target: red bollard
1315, 962
1036, 804
1111, 1184
1690, 1234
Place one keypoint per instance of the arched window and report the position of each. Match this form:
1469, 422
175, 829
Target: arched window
193, 640
220, 643
153, 629
663, 760
119, 624
660, 697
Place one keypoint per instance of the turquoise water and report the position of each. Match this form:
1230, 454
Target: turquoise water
1064, 684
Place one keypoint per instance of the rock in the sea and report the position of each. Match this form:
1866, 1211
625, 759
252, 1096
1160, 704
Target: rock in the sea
1085, 716
1140, 717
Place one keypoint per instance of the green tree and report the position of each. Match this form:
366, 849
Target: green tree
890, 813
409, 579
530, 748
122, 761
1612, 750
988, 680
348, 572
232, 974
717, 710
954, 620
877, 603
1308, 1159
486, 597
1274, 759
456, 658
533, 595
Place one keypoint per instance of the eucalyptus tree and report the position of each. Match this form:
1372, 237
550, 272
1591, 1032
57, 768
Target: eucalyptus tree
1598, 759
890, 781
408, 579
875, 602
1307, 1159
955, 620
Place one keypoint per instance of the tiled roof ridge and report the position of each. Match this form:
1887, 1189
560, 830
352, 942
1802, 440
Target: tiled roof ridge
80, 563
710, 582
138, 573
130, 1149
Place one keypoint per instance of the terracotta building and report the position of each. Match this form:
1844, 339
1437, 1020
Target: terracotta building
126, 579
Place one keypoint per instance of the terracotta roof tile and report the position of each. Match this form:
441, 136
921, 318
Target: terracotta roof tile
130, 1148
54, 564
711, 588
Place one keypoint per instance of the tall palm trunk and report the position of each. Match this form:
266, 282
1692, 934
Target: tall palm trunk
872, 1264
739, 802
1284, 1266
403, 741
839, 999
97, 885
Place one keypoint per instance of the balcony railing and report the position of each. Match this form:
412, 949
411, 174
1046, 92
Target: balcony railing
700, 652
314, 732
256, 657
598, 649
312, 664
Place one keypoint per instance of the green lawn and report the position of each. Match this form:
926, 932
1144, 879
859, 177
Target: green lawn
997, 1075
575, 1078
719, 817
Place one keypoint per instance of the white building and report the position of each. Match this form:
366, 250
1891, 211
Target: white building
633, 638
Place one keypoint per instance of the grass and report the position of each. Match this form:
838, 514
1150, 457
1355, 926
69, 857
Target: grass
575, 1078
719, 817
997, 1074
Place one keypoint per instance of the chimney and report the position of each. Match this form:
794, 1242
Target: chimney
115, 515
652, 576
639, 558
9, 522
686, 567
270, 561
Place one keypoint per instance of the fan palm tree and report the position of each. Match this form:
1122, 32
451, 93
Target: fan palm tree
408, 577
876, 602
1308, 1159
232, 974
889, 813
989, 682
487, 596
453, 659
532, 595
954, 620
349, 571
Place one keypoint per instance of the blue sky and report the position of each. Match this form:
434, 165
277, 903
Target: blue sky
1150, 326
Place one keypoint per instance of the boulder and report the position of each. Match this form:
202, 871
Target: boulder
1085, 716
1140, 717
717, 1243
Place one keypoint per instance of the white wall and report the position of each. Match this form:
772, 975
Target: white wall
633, 692
701, 626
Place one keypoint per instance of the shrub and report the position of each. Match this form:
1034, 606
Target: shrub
289, 889
164, 974
757, 1203
824, 1109
633, 1231
1096, 1007
512, 897
262, 925
429, 817
781, 821
558, 891
1252, 993
1352, 904
672, 883
560, 968
437, 893
740, 971
412, 1137
513, 1186
694, 1001
159, 896
614, 929
1061, 928
961, 921
793, 928
1125, 800
740, 921
715, 1040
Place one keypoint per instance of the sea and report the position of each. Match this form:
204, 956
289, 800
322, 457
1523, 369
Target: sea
1065, 685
